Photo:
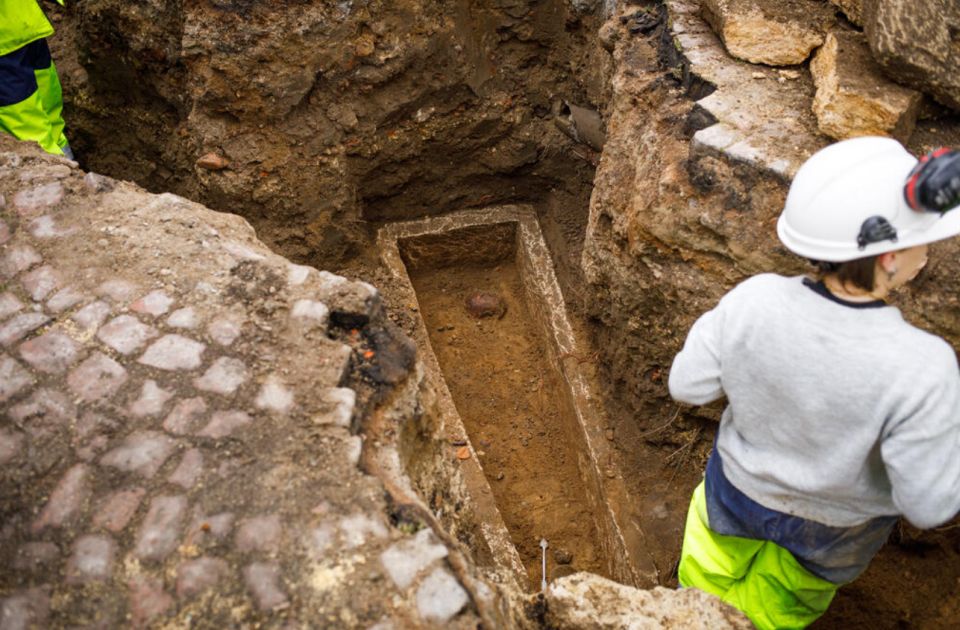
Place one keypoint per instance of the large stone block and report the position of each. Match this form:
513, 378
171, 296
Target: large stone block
916, 43
854, 98
774, 32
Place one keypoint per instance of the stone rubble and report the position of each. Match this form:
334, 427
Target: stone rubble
773, 32
854, 98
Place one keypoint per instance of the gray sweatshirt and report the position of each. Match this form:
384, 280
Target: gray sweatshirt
835, 414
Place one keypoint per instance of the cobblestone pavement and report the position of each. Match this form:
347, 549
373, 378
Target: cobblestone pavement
175, 440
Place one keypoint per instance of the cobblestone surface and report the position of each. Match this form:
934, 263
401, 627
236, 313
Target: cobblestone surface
175, 424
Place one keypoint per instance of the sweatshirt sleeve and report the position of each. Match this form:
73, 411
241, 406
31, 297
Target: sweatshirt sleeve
695, 373
922, 453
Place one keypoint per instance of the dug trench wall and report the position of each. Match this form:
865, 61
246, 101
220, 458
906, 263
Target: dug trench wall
318, 117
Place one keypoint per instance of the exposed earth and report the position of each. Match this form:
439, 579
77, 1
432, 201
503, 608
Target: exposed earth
219, 399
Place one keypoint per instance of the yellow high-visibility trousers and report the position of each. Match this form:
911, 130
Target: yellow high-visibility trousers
758, 577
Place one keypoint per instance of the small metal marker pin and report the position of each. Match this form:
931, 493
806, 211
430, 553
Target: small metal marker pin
543, 548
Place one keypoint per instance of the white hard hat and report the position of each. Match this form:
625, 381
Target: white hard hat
842, 187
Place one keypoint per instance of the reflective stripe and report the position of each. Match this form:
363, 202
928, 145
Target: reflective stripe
21, 22
757, 577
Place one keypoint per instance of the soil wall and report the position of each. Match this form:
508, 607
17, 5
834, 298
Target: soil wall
324, 115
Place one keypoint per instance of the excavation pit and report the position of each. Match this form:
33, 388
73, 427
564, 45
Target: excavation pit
515, 406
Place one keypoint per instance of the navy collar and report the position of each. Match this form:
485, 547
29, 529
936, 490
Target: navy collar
820, 288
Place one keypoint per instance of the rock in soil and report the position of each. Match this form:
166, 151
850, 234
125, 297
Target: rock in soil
482, 304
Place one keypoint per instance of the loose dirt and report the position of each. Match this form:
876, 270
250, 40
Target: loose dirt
510, 400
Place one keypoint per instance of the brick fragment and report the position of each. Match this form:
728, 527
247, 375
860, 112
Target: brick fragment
189, 470
196, 576
223, 423
34, 556
440, 597
18, 258
151, 401
313, 313
358, 528
92, 422
91, 316
217, 526
63, 299
223, 377
13, 378
125, 334
33, 201
92, 559
260, 533
147, 600
47, 172
40, 282
274, 396
155, 303
263, 580
97, 377
161, 528
66, 499
18, 326
117, 291
353, 447
297, 274
45, 406
9, 305
351, 304
28, 608
338, 404
88, 451
174, 352
212, 161
96, 182
92, 430
405, 559
241, 251
185, 416
319, 540
52, 352
46, 227
143, 452
224, 330
118, 508
183, 318
11, 445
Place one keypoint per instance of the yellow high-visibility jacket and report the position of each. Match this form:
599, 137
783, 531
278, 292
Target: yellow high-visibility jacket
21, 22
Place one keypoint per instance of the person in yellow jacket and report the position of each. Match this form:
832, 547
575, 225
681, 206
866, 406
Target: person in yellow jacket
31, 101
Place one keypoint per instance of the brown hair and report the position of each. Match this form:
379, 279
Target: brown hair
859, 273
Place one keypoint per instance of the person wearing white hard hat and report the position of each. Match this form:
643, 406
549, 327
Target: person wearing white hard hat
841, 417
